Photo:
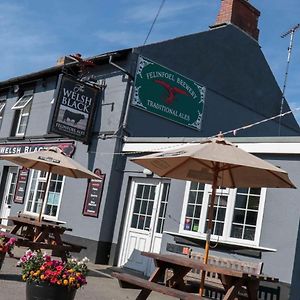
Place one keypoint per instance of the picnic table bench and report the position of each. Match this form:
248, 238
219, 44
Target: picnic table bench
233, 281
44, 234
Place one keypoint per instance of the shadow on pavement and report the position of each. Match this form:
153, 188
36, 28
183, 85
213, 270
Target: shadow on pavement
10, 277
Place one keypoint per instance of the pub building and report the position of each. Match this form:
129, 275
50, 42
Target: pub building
128, 104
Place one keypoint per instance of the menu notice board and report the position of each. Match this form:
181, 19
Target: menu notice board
93, 195
21, 185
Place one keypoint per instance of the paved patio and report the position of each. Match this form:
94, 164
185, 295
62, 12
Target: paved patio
101, 286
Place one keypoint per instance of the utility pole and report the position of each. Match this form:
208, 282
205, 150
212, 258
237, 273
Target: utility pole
290, 32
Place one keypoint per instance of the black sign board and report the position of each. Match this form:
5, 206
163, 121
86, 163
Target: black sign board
21, 185
93, 195
73, 112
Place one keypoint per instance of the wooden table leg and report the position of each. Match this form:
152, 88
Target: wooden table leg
176, 281
232, 286
144, 294
252, 289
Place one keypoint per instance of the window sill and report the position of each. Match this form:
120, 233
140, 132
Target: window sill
200, 241
17, 138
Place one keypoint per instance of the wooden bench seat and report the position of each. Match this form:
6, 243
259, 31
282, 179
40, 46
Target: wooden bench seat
213, 286
145, 284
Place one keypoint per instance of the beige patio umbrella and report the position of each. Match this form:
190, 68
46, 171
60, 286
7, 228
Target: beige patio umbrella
219, 163
52, 160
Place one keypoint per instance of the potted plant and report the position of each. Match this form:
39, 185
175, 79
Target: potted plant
6, 246
51, 279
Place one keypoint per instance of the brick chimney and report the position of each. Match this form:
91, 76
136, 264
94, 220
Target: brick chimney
240, 13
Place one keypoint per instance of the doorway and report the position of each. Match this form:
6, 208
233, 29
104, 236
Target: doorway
144, 223
9, 192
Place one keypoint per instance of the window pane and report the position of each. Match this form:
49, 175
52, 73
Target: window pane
150, 208
241, 201
249, 233
253, 202
144, 207
255, 191
139, 191
251, 218
134, 221
236, 231
239, 216
192, 197
137, 206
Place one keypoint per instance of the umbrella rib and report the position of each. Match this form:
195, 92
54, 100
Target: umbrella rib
169, 171
202, 163
73, 172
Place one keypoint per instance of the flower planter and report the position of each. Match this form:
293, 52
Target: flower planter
41, 291
2, 257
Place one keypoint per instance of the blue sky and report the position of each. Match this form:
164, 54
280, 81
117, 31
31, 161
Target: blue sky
34, 33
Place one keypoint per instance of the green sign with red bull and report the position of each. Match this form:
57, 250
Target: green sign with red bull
168, 94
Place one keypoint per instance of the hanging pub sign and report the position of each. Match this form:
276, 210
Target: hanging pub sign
166, 93
21, 185
73, 110
93, 195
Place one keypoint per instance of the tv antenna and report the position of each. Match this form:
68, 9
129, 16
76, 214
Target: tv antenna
290, 32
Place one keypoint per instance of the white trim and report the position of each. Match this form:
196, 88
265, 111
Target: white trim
42, 179
2, 105
215, 240
16, 106
279, 148
231, 196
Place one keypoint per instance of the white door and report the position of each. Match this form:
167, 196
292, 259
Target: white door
9, 191
144, 223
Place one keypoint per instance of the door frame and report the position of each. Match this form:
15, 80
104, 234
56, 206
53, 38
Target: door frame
130, 205
6, 187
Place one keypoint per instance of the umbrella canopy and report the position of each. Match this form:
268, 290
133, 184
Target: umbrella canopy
199, 162
220, 163
51, 160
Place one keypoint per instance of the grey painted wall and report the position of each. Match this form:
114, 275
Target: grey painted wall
236, 75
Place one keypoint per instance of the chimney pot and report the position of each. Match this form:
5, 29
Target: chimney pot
240, 13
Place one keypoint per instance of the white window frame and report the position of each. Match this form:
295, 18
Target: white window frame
16, 106
21, 108
228, 216
2, 105
42, 179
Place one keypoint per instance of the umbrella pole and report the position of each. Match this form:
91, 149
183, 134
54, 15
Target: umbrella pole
45, 192
209, 226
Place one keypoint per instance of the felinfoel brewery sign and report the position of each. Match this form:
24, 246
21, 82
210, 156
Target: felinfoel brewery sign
168, 94
74, 108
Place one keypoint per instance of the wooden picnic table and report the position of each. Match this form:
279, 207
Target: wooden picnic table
34, 234
233, 281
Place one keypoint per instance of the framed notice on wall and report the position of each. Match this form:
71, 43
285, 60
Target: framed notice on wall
21, 185
93, 195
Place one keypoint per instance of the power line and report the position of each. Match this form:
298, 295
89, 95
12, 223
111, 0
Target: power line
154, 21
